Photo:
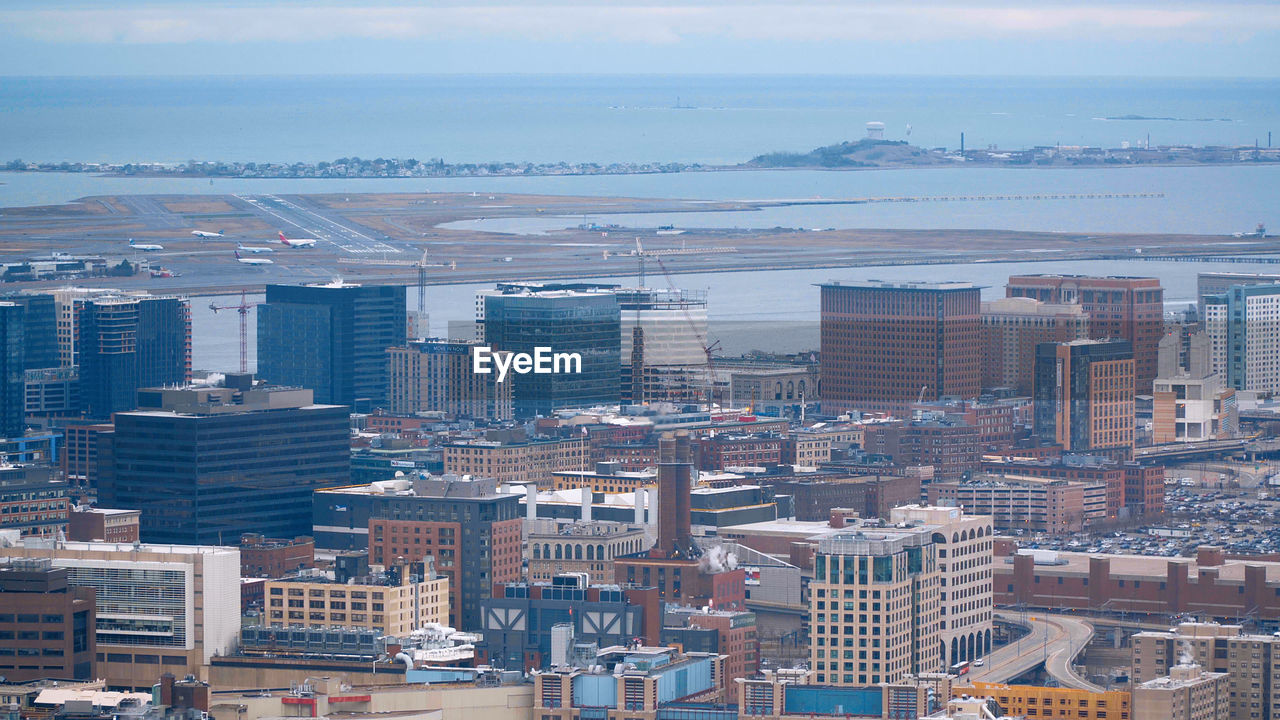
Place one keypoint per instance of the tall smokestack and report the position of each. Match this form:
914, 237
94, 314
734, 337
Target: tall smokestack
674, 473
531, 502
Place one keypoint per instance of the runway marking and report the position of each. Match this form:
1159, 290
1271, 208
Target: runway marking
372, 246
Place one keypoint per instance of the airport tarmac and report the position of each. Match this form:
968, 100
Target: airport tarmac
376, 238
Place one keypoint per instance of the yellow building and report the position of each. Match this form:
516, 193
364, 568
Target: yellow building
394, 603
1038, 703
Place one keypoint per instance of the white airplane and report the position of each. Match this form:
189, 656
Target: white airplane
255, 249
297, 243
207, 234
144, 248
253, 261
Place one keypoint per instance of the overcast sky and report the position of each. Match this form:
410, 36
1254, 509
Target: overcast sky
965, 37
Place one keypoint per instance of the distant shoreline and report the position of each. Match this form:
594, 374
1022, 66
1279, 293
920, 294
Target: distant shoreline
866, 154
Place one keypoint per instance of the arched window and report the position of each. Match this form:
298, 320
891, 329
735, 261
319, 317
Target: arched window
537, 551
546, 552
577, 552
559, 552
955, 538
600, 552
777, 391
791, 389
591, 552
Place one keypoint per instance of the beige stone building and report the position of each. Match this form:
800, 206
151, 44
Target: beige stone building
395, 603
562, 546
1186, 693
875, 607
533, 460
965, 557
1250, 663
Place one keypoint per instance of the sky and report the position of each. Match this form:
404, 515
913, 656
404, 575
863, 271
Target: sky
1139, 38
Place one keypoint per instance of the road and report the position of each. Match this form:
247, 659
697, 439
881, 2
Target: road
1054, 640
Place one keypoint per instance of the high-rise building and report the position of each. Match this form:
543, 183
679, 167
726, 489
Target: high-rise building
471, 530
1084, 396
1011, 330
965, 556
663, 330
161, 608
1119, 308
1186, 693
48, 625
207, 464
1218, 283
13, 377
331, 339
129, 342
1244, 345
1237, 660
587, 323
437, 376
888, 345
40, 323
875, 607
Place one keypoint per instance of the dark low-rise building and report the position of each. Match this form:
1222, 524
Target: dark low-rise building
517, 623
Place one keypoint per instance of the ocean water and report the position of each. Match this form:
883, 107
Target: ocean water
722, 119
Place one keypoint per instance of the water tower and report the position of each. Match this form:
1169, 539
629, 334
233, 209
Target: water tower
875, 130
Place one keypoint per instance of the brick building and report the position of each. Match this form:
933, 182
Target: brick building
262, 557
1129, 308
1210, 585
104, 524
48, 624
1013, 327
1132, 489
1084, 397
886, 345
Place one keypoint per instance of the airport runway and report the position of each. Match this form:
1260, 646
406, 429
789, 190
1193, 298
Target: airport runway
305, 222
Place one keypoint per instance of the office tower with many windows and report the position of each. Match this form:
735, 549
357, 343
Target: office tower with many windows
129, 342
12, 370
331, 339
1119, 308
875, 607
1084, 397
436, 376
587, 324
888, 345
207, 464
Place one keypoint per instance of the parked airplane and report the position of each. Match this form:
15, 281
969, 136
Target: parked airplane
297, 243
255, 249
207, 234
253, 261
144, 248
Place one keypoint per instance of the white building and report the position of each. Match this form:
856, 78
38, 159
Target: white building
966, 553
161, 608
1243, 326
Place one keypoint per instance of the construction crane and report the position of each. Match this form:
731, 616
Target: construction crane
708, 350
243, 308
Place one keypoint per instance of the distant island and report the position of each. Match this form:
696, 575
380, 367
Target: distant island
867, 153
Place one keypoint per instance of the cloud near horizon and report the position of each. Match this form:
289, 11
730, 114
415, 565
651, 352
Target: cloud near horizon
660, 24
